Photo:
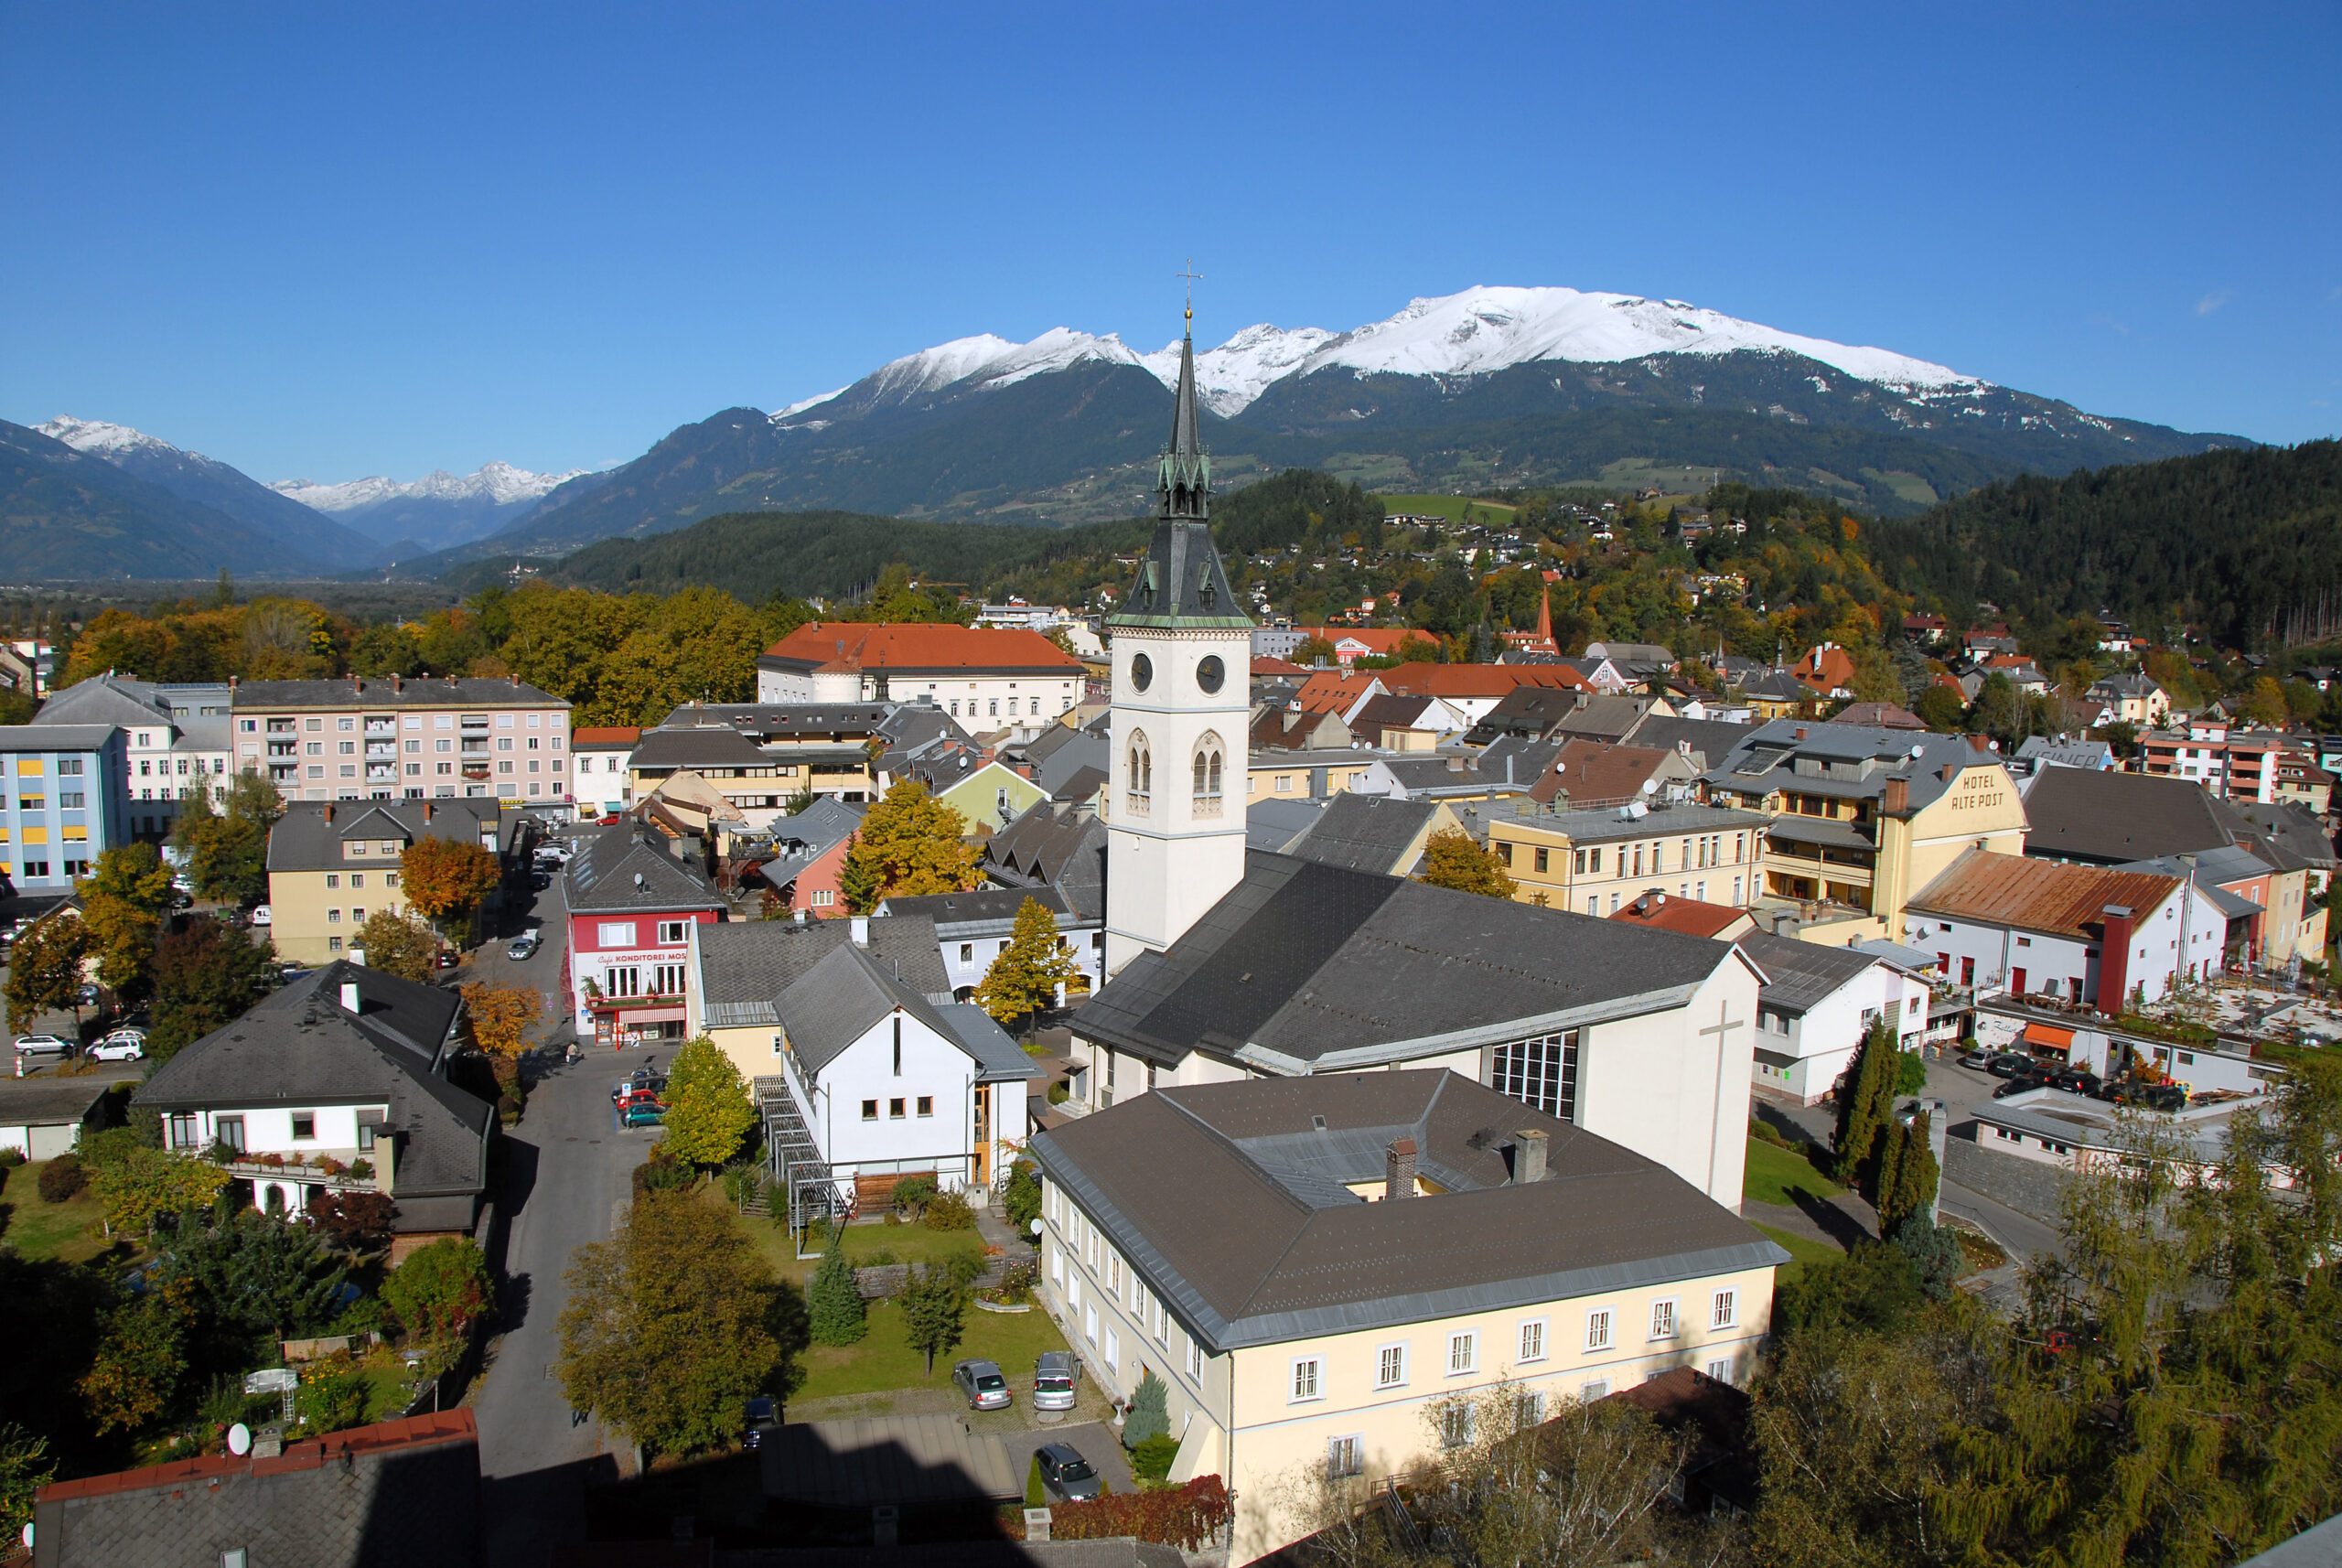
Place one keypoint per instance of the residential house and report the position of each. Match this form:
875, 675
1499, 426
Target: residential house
1379, 1242
1472, 689
1595, 860
739, 968
987, 793
390, 738
2039, 751
397, 1491
176, 737
41, 1117
884, 1083
972, 929
1352, 643
1299, 729
808, 852
1409, 721
2087, 936
1057, 844
1828, 668
337, 1083
1543, 712
64, 801
1878, 715
2300, 781
332, 863
605, 768
2233, 765
1640, 663
631, 906
1817, 1004
760, 756
983, 676
2131, 697
1372, 832
1318, 773
1335, 691
1586, 773
1927, 630
2020, 671
1776, 694
2070, 1132
1862, 816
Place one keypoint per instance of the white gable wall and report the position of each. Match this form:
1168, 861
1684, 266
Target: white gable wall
931, 1066
1659, 1086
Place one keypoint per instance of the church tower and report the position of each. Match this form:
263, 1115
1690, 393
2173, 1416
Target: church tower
1182, 695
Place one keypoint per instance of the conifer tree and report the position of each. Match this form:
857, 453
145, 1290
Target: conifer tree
935, 1312
833, 1302
1026, 975
1865, 1104
1150, 1413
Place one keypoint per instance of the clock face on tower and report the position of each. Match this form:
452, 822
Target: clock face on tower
1211, 674
1141, 672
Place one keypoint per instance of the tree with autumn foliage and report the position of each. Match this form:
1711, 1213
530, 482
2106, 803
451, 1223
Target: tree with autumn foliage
446, 879
45, 968
1454, 859
397, 946
499, 1017
909, 843
1025, 976
123, 902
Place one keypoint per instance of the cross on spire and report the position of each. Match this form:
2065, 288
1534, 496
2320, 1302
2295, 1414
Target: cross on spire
1193, 277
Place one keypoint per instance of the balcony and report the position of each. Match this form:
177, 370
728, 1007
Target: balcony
596, 1002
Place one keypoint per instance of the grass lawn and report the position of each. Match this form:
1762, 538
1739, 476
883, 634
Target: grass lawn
1777, 1175
1801, 1253
863, 1243
881, 1360
67, 1232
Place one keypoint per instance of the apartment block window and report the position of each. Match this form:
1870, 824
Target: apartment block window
927, 1105
333, 944
1195, 1360
1663, 1320
333, 878
333, 917
1597, 1330
870, 1111
1504, 852
1390, 1366
967, 953
304, 1126
1463, 1353
1543, 859
1456, 1426
1597, 1388
1308, 1379
1344, 1457
358, 879
671, 931
894, 1110
1532, 1341
1723, 1310
1577, 862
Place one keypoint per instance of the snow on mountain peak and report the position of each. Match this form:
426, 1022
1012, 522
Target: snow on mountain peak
95, 435
1230, 377
500, 484
1491, 329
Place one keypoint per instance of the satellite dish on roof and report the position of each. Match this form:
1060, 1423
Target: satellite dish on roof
1650, 786
1035, 1226
239, 1439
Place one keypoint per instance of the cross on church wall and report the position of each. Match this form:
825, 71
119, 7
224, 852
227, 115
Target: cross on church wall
1726, 1023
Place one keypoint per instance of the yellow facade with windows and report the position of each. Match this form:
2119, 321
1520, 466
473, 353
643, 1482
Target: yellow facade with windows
1594, 863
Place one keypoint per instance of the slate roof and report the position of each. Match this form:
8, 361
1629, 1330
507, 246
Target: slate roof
628, 869
986, 911
999, 1058
1366, 833
1274, 826
48, 1101
1709, 740
1603, 824
1305, 966
2287, 834
309, 836
301, 1047
391, 691
395, 1492
57, 737
1058, 842
697, 746
2038, 895
1231, 1199
2083, 814
848, 991
1545, 711
105, 699
744, 966
1800, 975
1855, 761
1878, 715
1389, 711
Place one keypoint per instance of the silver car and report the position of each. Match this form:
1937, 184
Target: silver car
982, 1383
1053, 1379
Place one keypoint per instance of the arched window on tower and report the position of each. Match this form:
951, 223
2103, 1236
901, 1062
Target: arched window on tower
1142, 773
1206, 775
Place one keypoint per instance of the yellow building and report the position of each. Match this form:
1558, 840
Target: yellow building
1370, 1253
332, 865
1862, 817
1596, 861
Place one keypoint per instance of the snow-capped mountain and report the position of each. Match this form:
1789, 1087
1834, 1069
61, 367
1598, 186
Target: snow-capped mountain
499, 484
302, 537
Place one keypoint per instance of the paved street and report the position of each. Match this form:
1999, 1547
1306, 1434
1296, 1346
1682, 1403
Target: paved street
567, 1178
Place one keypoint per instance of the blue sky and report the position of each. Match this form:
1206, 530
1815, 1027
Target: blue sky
327, 240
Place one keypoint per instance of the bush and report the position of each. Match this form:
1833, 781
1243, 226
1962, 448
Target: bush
1185, 1517
914, 1192
1021, 1201
442, 1289
950, 1211
662, 1172
1151, 1460
833, 1301
1764, 1132
1910, 1072
62, 1178
1150, 1412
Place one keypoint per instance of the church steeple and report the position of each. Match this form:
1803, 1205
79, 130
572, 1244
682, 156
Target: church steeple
1183, 478
1181, 582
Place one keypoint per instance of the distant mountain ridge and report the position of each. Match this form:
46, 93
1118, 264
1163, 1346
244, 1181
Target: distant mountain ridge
436, 511
1488, 387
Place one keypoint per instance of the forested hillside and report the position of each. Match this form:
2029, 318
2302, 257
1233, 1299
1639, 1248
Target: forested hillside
2238, 544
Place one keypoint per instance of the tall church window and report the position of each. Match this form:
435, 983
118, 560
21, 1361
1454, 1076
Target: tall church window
1142, 777
1207, 774
1541, 1072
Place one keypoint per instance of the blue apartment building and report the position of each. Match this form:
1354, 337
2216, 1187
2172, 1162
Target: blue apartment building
67, 801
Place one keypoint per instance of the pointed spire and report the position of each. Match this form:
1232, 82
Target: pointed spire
1183, 481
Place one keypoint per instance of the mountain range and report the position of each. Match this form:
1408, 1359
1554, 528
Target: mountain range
1490, 387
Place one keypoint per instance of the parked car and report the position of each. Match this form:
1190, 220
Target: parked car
761, 1418
2153, 1096
263, 915
524, 946
539, 881
43, 1046
1066, 1474
121, 1046
1053, 1379
448, 958
643, 1114
626, 1089
2008, 1064
2019, 1084
982, 1385
90, 995
609, 822
1978, 1061
2078, 1080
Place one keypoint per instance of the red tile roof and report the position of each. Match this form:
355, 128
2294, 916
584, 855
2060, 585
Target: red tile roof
1479, 680
1688, 916
1333, 691
604, 735
886, 645
1591, 770
414, 1432
2039, 895
1264, 665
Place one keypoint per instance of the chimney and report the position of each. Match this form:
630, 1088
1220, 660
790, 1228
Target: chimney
328, 811
398, 683
1528, 1157
350, 996
1898, 799
427, 809
231, 682
1398, 1180
859, 927
1800, 733
2114, 959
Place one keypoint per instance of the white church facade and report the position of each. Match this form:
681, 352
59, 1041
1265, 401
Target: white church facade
1225, 965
